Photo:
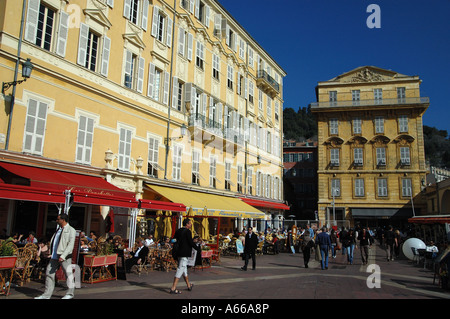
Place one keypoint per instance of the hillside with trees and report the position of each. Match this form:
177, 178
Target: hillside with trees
437, 147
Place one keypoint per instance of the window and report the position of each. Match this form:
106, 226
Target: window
269, 107
405, 156
161, 26
378, 96
134, 71
251, 61
250, 181
251, 91
359, 187
216, 66
124, 149
401, 95
260, 100
212, 172
242, 49
355, 97
202, 12
334, 157
335, 187
258, 182
178, 88
382, 187
403, 124
153, 149
89, 48
227, 176
136, 11
195, 167
379, 124
176, 162
406, 187
230, 77
381, 156
231, 39
358, 156
35, 127
333, 98
84, 140
334, 127
155, 82
200, 55
357, 126
185, 43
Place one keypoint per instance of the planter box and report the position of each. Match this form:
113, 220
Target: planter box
7, 262
97, 270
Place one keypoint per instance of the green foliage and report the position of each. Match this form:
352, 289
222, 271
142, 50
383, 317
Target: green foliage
300, 125
437, 146
105, 249
6, 249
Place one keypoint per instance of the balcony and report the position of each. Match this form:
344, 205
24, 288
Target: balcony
199, 121
267, 83
422, 101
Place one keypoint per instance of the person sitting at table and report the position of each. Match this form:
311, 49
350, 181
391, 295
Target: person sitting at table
84, 245
149, 241
164, 243
30, 239
431, 248
137, 256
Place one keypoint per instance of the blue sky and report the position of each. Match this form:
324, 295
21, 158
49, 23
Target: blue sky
316, 40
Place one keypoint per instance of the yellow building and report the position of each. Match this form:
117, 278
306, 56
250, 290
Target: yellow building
155, 97
371, 150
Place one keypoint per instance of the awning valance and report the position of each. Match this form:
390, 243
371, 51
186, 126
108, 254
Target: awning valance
160, 205
431, 219
41, 182
217, 205
381, 212
265, 204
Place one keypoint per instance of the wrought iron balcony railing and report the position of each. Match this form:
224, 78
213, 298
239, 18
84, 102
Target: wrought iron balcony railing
373, 102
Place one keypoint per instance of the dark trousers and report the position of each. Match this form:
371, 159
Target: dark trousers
306, 255
247, 256
130, 262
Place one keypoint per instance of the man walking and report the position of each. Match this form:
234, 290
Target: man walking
61, 244
250, 245
388, 237
365, 241
185, 245
324, 242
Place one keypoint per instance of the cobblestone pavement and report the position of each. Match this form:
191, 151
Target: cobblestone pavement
277, 277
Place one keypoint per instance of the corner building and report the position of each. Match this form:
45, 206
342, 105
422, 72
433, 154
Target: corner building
371, 167
173, 104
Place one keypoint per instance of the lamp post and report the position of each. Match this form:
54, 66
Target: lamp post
26, 73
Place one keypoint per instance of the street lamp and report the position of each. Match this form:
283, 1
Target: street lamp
183, 134
27, 67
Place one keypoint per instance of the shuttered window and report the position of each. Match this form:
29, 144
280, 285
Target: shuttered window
35, 127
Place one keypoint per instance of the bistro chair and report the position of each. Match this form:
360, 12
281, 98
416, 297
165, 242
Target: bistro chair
21, 270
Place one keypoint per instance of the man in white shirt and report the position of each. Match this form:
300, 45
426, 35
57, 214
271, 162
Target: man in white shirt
149, 241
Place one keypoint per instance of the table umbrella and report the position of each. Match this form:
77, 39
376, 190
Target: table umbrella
168, 225
205, 225
159, 227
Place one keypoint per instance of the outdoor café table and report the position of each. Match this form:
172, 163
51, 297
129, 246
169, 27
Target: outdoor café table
97, 268
206, 259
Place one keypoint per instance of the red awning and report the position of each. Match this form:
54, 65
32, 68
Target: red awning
160, 205
86, 189
265, 204
19, 192
434, 219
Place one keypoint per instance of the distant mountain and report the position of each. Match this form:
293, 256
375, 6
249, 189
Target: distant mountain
300, 125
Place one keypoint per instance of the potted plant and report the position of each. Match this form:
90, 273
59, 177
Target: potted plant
7, 258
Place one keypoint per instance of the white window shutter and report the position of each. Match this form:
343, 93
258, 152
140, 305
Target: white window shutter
166, 88
211, 108
169, 32
197, 9
191, 6
144, 22
140, 81
220, 113
203, 104
181, 40
190, 46
32, 20
83, 43
127, 9
155, 21
207, 15
110, 3
105, 55
62, 34
227, 33
151, 80
128, 62
175, 92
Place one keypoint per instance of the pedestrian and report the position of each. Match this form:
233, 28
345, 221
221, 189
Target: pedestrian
61, 244
323, 242
307, 244
250, 245
365, 241
397, 241
334, 242
184, 251
388, 238
342, 234
349, 243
